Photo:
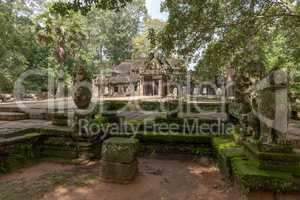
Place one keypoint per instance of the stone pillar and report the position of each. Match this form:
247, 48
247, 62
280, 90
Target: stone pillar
273, 108
60, 85
160, 87
153, 87
95, 88
141, 87
274, 151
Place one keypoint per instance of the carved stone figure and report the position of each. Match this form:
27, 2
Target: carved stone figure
243, 85
82, 88
273, 108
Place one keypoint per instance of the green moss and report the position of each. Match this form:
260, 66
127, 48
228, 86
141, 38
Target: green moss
230, 153
273, 161
114, 105
118, 149
225, 150
19, 155
251, 177
169, 148
59, 130
172, 138
135, 122
166, 106
296, 173
152, 142
220, 143
150, 105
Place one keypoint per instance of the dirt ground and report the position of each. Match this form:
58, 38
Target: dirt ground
169, 177
160, 178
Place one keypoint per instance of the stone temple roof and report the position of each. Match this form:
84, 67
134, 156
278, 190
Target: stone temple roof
128, 66
129, 71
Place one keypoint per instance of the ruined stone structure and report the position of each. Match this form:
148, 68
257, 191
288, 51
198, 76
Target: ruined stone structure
152, 76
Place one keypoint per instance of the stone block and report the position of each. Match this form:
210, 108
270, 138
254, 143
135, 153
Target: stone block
118, 172
279, 161
122, 150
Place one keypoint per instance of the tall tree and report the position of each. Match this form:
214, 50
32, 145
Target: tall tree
84, 6
146, 40
238, 29
101, 37
19, 50
235, 34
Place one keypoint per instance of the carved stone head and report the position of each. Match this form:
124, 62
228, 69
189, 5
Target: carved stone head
82, 87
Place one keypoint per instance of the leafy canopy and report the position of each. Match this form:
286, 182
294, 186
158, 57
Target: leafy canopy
232, 33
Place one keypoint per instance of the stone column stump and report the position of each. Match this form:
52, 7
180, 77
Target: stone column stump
119, 160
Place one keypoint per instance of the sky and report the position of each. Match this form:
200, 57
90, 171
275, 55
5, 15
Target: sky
153, 7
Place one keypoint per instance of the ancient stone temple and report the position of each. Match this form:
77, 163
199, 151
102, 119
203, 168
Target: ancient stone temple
152, 76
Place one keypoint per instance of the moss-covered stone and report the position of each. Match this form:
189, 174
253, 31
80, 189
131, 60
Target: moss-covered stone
119, 163
225, 150
152, 142
273, 161
151, 148
251, 177
20, 154
59, 153
220, 143
164, 106
122, 150
118, 172
174, 138
60, 122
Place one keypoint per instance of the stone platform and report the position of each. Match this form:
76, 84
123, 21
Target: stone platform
12, 116
12, 131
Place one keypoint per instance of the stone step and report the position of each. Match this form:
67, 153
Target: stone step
17, 139
12, 116
11, 133
10, 109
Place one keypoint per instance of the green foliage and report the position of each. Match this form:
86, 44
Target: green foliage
251, 36
19, 50
168, 120
150, 106
147, 40
30, 38
86, 5
108, 40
